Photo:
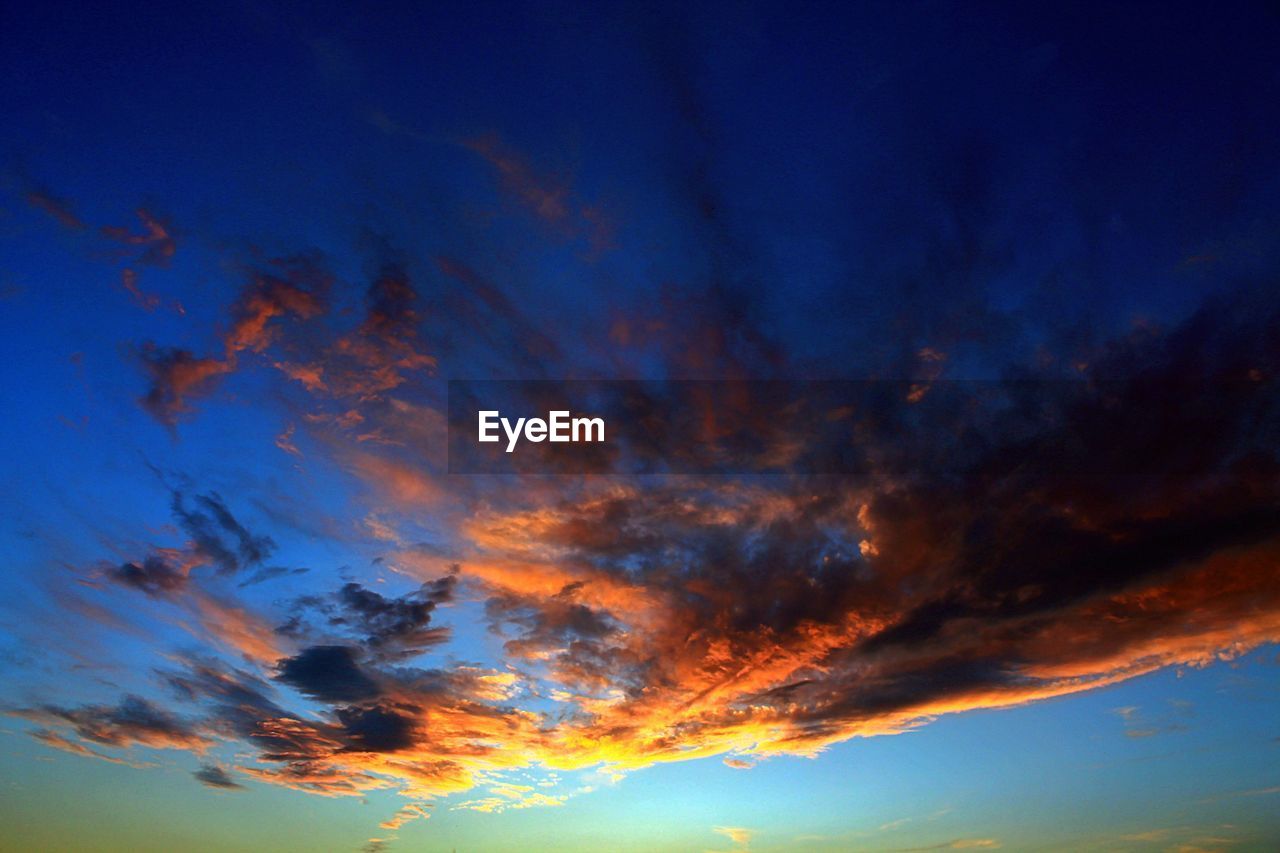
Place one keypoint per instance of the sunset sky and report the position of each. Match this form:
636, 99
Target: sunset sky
1022, 593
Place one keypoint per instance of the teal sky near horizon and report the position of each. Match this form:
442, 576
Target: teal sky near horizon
245, 606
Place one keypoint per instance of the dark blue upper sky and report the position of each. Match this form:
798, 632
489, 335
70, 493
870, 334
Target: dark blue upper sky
894, 175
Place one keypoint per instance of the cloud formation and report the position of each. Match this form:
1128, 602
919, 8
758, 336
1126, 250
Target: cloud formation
155, 243
216, 777
132, 721
1065, 523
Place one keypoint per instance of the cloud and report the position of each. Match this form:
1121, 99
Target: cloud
395, 624
510, 797
146, 301
737, 834
284, 441
215, 777
901, 822
675, 619
217, 535
290, 288
156, 241
177, 375
296, 290
413, 811
549, 198
327, 673
406, 483
133, 721
218, 540
236, 627
1138, 724
376, 729
793, 635
488, 313
545, 197
270, 573
57, 741
558, 627
58, 208
154, 576
386, 627
1038, 538
376, 357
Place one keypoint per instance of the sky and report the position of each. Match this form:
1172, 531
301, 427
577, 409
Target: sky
1020, 591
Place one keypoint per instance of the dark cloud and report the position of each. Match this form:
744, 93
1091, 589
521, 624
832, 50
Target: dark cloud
134, 720
270, 573
387, 627
548, 624
240, 700
327, 673
376, 729
218, 536
215, 777
241, 706
395, 624
1046, 529
154, 576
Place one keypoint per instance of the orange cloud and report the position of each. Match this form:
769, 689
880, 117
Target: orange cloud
404, 483
156, 239
237, 629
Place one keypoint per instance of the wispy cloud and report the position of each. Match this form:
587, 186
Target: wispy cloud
58, 208
215, 776
741, 836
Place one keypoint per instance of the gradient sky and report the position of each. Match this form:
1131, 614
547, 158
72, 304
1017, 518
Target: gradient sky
245, 606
